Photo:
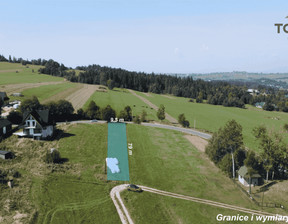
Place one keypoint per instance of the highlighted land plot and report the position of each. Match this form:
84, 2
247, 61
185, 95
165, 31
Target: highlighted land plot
118, 167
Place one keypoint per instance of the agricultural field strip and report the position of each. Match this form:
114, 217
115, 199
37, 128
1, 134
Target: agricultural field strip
115, 192
13, 88
63, 94
79, 98
122, 187
168, 117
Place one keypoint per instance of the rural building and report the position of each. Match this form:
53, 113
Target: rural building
243, 177
17, 94
253, 92
6, 155
37, 125
3, 96
5, 128
260, 104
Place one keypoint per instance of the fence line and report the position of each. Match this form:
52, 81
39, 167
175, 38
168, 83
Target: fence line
260, 204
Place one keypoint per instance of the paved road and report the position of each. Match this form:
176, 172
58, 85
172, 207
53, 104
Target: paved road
125, 217
170, 127
185, 130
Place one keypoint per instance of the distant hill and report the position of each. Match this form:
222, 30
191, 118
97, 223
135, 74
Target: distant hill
274, 80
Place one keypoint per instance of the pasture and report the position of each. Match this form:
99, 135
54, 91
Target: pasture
45, 92
78, 191
118, 99
14, 73
210, 117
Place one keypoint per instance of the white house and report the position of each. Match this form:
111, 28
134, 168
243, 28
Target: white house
243, 177
37, 125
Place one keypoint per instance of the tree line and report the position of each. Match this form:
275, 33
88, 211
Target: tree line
63, 110
227, 151
214, 92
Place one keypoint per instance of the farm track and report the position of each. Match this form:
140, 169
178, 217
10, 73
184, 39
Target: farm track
18, 88
115, 196
73, 207
79, 98
167, 116
125, 217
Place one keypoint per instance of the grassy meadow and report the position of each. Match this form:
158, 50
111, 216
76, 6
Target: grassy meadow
24, 74
45, 92
78, 192
210, 117
118, 99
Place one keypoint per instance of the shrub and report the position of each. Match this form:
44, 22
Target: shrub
53, 157
137, 119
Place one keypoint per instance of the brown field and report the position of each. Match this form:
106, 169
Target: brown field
79, 98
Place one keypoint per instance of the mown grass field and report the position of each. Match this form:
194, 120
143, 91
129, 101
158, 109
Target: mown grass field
8, 74
152, 208
77, 191
211, 118
47, 91
164, 160
118, 99
82, 194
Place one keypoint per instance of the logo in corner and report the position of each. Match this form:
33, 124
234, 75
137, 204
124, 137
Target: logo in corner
281, 26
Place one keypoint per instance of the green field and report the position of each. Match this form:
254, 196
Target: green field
8, 74
79, 194
164, 160
119, 99
211, 118
44, 92
78, 191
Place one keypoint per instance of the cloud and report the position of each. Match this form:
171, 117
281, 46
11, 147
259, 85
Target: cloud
176, 51
205, 47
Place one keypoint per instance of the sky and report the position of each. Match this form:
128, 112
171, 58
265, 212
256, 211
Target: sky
161, 36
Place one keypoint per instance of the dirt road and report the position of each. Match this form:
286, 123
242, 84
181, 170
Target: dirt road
115, 195
167, 116
198, 142
124, 217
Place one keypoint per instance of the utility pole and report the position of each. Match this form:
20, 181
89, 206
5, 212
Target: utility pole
233, 163
194, 123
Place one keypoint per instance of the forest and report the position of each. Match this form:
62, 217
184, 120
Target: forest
199, 91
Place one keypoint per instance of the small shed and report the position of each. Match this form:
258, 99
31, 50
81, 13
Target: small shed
17, 94
6, 155
5, 127
243, 177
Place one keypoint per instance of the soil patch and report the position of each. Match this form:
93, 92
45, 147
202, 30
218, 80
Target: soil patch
198, 142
